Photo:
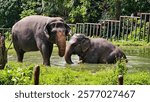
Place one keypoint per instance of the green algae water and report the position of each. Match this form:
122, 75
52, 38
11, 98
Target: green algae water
138, 59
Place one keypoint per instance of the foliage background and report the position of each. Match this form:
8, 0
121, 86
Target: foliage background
71, 10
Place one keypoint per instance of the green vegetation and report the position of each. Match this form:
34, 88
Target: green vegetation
130, 43
71, 10
22, 74
16, 73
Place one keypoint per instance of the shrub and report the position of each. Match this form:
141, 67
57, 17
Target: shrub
16, 73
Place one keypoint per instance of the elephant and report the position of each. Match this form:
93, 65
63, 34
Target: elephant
37, 32
3, 52
92, 50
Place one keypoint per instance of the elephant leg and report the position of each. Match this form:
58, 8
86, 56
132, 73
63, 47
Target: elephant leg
46, 52
19, 52
20, 55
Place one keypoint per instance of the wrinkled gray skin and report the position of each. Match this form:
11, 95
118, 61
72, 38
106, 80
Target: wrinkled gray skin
96, 50
37, 32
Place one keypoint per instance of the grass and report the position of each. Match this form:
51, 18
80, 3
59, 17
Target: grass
130, 43
22, 74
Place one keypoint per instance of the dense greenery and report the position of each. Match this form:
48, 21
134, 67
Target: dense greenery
71, 10
22, 74
16, 73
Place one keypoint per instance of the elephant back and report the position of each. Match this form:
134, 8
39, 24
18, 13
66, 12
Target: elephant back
30, 22
33, 23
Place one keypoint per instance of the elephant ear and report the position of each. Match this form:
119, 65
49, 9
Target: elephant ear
85, 44
47, 30
67, 30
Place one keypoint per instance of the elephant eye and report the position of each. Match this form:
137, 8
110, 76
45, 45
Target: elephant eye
78, 45
60, 25
53, 25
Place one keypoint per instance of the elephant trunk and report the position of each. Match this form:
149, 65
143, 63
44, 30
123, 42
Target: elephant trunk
61, 43
68, 54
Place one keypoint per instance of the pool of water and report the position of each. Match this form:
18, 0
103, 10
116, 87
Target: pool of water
138, 58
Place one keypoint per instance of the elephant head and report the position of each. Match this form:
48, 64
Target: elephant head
78, 44
56, 31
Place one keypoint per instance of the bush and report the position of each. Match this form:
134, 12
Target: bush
8, 36
27, 13
16, 73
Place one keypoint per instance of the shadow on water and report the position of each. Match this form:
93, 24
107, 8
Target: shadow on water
138, 58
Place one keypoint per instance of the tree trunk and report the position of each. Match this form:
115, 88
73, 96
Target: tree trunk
118, 9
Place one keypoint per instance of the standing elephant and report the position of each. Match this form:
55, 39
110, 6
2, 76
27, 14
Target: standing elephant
37, 32
96, 50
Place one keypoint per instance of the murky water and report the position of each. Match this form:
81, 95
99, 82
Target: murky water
138, 58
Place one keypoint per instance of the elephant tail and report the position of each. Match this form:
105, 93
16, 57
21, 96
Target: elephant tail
9, 46
12, 32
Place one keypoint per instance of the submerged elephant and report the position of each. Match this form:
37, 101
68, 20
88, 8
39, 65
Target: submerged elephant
37, 32
96, 50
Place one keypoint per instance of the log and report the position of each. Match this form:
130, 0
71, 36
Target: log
36, 75
120, 80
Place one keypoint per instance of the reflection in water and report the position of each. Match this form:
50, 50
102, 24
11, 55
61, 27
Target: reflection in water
138, 58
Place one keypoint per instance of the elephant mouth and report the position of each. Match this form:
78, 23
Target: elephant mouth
72, 41
68, 54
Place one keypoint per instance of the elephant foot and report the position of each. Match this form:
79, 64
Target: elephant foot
46, 63
20, 55
20, 61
